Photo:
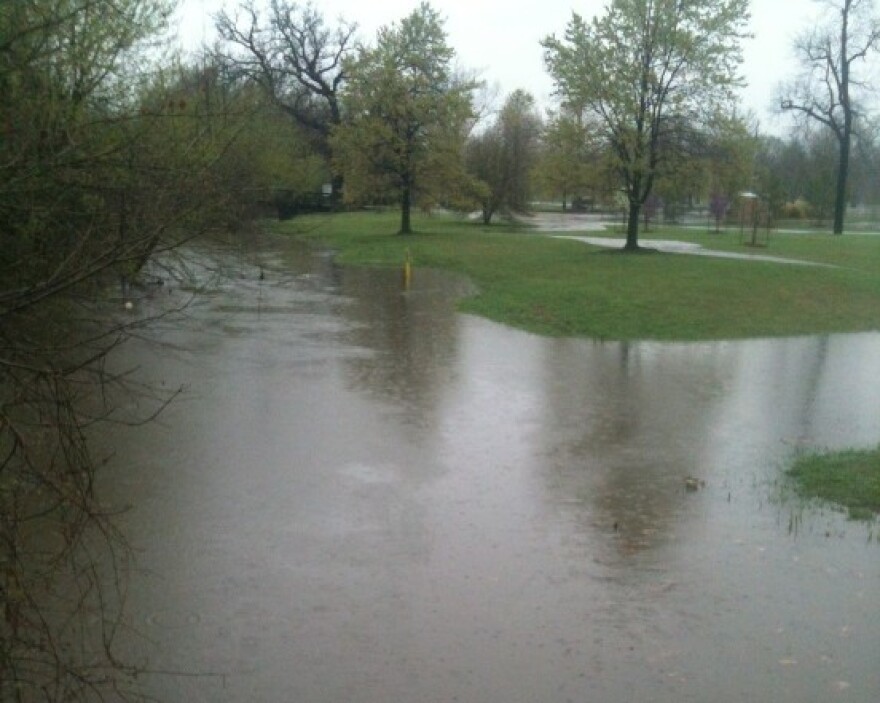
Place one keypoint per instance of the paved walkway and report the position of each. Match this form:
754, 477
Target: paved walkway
672, 246
554, 224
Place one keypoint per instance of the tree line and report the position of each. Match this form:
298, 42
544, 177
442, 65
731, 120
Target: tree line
646, 114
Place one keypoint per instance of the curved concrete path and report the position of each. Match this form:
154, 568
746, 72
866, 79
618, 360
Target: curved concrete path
671, 246
554, 224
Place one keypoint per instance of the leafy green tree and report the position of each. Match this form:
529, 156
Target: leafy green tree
730, 161
569, 160
681, 179
521, 127
408, 116
712, 167
504, 155
826, 92
484, 156
649, 70
266, 160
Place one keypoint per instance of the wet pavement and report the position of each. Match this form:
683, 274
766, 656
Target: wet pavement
674, 246
363, 496
554, 223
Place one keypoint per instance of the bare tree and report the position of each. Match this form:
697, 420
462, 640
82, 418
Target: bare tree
297, 59
825, 93
96, 174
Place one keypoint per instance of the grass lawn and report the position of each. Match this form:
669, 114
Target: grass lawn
850, 479
560, 287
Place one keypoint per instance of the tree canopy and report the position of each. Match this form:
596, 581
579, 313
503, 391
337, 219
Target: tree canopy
504, 155
649, 71
407, 116
298, 60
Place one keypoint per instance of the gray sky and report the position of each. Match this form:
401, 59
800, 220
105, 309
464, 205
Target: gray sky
499, 38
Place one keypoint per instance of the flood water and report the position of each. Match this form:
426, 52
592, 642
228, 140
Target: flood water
363, 496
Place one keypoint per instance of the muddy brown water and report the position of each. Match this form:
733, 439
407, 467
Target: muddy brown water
363, 496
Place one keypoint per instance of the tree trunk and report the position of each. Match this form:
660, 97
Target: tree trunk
405, 207
842, 176
632, 228
337, 183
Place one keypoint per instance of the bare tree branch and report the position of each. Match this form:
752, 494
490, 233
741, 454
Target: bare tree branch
823, 94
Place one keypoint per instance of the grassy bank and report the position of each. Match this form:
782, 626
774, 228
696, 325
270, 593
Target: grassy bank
850, 479
560, 287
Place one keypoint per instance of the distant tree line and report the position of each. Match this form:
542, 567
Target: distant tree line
646, 120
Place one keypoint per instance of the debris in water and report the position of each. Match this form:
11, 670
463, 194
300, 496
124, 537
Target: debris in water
692, 484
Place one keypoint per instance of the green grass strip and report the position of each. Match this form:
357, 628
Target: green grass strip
568, 288
850, 479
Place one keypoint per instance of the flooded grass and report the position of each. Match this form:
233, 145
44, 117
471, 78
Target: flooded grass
567, 288
850, 479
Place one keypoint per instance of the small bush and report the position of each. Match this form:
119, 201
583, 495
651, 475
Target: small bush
797, 210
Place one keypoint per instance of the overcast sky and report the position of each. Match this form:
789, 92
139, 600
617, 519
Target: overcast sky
500, 38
